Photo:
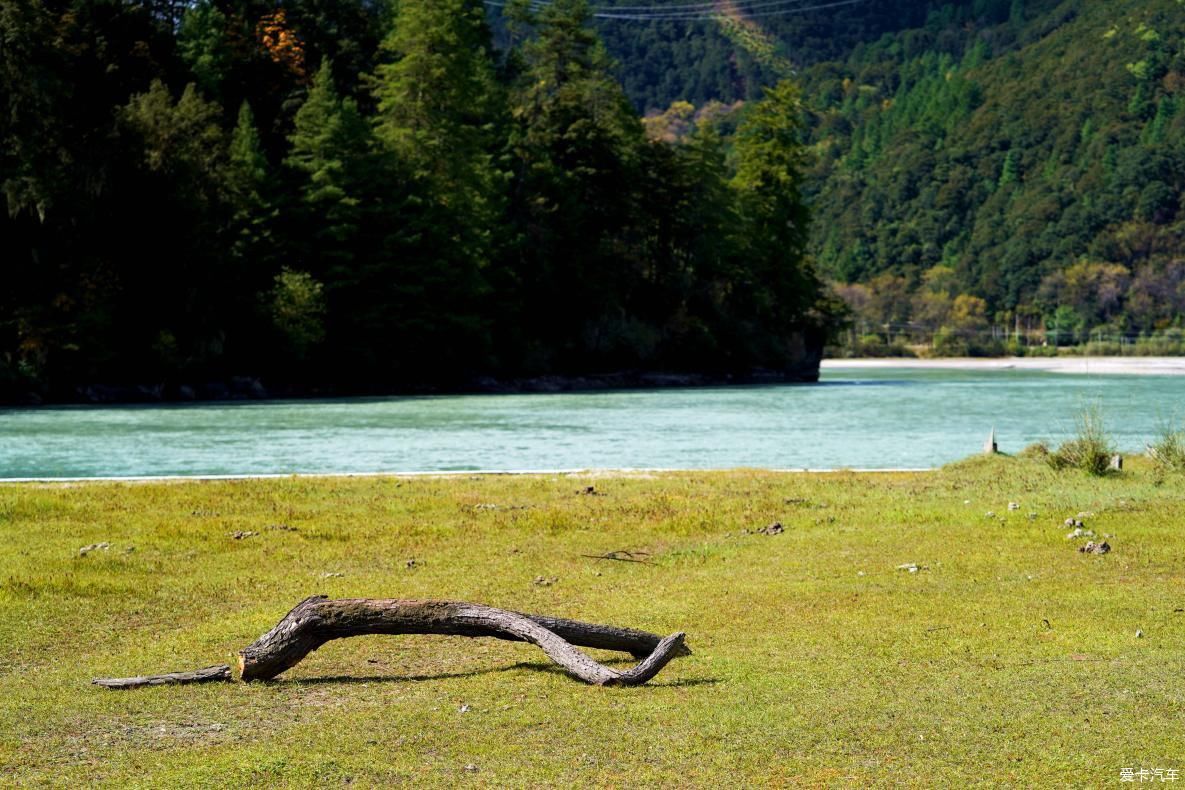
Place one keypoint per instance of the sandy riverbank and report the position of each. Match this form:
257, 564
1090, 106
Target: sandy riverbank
1133, 366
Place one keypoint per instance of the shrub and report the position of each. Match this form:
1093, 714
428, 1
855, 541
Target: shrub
1038, 450
1168, 452
1090, 450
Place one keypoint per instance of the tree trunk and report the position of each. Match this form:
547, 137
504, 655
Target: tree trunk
317, 620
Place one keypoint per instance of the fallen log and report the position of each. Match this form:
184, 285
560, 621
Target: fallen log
317, 620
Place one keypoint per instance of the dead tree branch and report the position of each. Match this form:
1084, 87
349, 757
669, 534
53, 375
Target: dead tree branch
317, 620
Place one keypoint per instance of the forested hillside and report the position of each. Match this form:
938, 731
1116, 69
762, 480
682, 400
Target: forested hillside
370, 196
1016, 164
375, 195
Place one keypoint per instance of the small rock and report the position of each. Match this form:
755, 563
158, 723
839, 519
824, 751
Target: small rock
775, 528
989, 514
1116, 464
1013, 506
966, 501
912, 567
332, 575
1032, 516
464, 709
1069, 522
241, 534
471, 768
1096, 548
85, 550
1079, 532
412, 563
1139, 634
545, 581
588, 491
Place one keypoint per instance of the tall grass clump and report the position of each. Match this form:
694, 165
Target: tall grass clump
1090, 450
1168, 452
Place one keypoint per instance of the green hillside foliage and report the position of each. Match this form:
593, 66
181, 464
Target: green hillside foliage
981, 169
1042, 166
363, 196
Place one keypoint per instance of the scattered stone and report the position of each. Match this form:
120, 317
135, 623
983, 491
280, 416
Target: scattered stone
283, 527
464, 709
966, 501
775, 528
1116, 464
471, 768
1079, 532
990, 514
129, 549
412, 563
1096, 548
1013, 506
1032, 516
1139, 634
85, 550
332, 575
241, 534
545, 581
912, 567
589, 491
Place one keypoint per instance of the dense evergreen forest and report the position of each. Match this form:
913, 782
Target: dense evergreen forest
376, 195
979, 170
366, 195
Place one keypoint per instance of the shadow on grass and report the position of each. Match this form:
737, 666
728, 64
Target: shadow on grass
534, 666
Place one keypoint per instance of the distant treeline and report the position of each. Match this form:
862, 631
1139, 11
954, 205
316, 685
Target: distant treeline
976, 163
367, 195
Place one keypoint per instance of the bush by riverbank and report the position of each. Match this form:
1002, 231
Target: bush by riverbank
899, 628
876, 347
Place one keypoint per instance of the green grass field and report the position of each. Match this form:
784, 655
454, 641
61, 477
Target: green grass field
1007, 658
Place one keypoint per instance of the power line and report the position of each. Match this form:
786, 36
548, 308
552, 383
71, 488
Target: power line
699, 12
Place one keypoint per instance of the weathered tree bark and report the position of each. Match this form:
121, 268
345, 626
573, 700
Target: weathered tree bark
207, 675
317, 620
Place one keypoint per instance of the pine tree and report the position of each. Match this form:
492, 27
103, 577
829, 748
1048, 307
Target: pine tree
201, 40
780, 287
438, 104
577, 145
251, 194
438, 115
331, 148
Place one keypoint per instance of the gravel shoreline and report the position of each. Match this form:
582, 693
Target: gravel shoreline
1111, 366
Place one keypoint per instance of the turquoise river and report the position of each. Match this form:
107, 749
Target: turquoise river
858, 418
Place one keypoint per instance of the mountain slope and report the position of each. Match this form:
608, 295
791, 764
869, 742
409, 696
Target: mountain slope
1029, 156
